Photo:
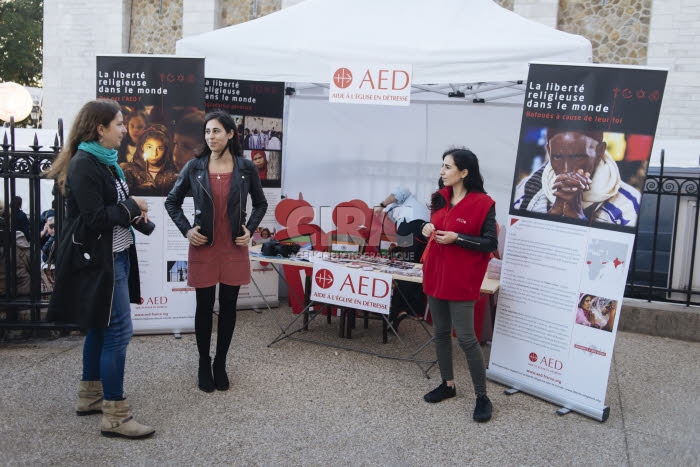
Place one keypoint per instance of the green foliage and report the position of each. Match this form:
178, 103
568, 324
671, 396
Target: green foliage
21, 37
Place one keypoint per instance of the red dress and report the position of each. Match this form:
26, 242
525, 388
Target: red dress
222, 261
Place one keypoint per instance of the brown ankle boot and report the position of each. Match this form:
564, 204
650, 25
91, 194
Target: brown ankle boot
89, 398
117, 420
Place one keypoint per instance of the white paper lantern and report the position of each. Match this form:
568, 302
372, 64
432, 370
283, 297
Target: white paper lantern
15, 101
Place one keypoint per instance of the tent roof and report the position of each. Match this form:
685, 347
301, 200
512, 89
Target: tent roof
445, 41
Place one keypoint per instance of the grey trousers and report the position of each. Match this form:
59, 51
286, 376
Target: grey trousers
448, 313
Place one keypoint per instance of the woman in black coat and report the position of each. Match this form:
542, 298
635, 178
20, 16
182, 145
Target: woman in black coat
96, 266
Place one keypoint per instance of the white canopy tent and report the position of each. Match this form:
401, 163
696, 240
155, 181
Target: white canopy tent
337, 152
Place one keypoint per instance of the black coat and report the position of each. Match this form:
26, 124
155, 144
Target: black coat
84, 262
194, 179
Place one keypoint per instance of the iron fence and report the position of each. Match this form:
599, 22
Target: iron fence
19, 309
665, 259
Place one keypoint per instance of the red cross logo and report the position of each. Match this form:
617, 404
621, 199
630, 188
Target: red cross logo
324, 278
342, 78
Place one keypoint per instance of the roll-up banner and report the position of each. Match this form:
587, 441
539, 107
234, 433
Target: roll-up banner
162, 101
257, 107
585, 141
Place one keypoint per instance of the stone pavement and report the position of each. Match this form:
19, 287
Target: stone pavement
298, 403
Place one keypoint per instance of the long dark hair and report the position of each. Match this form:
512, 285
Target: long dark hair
473, 182
91, 115
234, 146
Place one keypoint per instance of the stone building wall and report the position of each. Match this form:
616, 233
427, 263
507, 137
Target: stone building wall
618, 29
240, 11
155, 26
507, 4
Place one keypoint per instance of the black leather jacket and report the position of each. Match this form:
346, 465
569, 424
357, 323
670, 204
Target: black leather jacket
194, 179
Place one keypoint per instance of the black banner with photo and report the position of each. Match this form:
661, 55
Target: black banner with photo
162, 101
585, 141
257, 107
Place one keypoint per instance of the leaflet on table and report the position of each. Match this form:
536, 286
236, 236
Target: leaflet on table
540, 337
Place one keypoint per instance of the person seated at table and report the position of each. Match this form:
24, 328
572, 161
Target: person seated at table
409, 214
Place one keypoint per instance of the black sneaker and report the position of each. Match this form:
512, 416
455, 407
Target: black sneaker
440, 393
483, 409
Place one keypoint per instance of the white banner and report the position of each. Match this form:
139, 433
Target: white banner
371, 84
557, 308
585, 139
354, 288
168, 303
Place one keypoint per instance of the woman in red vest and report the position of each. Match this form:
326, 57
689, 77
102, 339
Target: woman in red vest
462, 233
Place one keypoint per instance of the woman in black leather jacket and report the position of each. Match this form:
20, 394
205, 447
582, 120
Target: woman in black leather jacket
220, 181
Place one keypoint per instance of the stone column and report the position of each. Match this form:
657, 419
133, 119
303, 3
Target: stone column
542, 11
199, 16
75, 31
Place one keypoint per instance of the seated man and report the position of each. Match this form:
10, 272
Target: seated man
580, 181
409, 215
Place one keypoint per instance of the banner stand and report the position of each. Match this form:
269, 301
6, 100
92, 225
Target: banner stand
567, 405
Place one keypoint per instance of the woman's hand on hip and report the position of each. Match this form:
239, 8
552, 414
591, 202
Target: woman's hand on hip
428, 229
245, 238
195, 238
445, 237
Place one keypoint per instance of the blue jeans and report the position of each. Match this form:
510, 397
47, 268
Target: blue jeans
104, 351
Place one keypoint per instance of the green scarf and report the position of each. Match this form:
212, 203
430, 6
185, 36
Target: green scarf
106, 156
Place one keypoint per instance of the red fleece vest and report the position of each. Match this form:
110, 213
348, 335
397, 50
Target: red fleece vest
451, 272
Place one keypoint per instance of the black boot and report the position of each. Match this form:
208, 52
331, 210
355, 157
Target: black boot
202, 331
220, 377
205, 377
228, 296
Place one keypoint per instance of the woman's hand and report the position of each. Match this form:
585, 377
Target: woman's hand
143, 206
243, 239
444, 237
195, 238
141, 203
428, 229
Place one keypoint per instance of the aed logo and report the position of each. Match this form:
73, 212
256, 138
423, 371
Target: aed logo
153, 301
363, 285
552, 363
382, 79
533, 357
342, 78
